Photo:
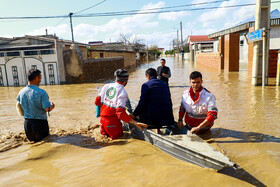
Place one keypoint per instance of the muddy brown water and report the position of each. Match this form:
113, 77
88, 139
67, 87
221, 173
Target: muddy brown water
247, 131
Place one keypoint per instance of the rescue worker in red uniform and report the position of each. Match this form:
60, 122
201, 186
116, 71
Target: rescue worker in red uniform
112, 100
198, 106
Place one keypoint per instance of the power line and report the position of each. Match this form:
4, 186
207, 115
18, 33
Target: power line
90, 7
165, 11
131, 12
60, 21
170, 7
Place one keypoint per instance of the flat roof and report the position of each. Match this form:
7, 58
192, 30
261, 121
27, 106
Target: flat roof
24, 46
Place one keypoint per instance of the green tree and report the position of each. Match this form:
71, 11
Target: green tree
154, 50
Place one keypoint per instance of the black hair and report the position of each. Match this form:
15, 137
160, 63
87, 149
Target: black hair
152, 72
195, 74
32, 74
162, 59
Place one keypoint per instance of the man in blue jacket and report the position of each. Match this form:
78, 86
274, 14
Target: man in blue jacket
155, 105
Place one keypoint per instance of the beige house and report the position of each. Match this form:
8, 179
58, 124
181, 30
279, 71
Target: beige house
20, 54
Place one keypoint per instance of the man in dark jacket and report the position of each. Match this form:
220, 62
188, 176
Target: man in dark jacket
163, 72
155, 105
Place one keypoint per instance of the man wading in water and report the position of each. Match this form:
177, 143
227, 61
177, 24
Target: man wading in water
35, 104
112, 100
163, 72
198, 106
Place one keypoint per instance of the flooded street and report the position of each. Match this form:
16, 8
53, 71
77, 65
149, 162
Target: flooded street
247, 131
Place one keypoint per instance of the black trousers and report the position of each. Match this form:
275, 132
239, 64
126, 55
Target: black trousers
36, 129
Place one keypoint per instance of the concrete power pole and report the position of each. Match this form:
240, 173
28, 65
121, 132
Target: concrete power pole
182, 47
262, 20
173, 48
177, 41
70, 15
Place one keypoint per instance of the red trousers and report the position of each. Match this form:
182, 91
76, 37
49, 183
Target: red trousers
111, 126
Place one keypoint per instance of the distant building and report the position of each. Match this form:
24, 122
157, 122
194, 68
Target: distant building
131, 53
161, 50
20, 54
199, 43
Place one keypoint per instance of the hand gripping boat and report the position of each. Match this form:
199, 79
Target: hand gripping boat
191, 148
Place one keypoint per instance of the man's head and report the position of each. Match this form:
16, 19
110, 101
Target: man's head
34, 76
163, 62
121, 76
196, 80
151, 72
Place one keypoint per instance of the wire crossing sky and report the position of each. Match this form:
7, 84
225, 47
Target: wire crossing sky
154, 21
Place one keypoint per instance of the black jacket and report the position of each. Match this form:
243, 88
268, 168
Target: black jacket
155, 105
165, 70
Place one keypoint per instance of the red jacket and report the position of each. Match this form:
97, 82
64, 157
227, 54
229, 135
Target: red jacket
198, 107
112, 100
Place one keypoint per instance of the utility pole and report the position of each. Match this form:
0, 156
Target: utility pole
177, 41
173, 48
182, 47
261, 48
70, 15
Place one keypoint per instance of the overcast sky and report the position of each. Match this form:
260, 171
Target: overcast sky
157, 29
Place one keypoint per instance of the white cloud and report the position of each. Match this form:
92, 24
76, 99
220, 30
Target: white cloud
115, 27
173, 16
230, 15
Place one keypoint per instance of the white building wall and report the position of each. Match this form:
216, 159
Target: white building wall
48, 72
24, 63
21, 74
243, 48
3, 72
216, 46
274, 38
33, 61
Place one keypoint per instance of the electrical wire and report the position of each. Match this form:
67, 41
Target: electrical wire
131, 12
170, 7
90, 7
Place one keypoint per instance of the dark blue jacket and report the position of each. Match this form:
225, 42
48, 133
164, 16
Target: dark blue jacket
155, 105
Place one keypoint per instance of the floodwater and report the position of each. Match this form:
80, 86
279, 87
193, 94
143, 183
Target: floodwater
247, 131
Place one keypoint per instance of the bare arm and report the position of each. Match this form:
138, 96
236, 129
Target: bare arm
203, 124
50, 108
139, 125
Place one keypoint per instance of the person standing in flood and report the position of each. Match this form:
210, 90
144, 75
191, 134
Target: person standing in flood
35, 104
112, 101
198, 106
163, 72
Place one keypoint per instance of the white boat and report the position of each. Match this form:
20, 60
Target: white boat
193, 149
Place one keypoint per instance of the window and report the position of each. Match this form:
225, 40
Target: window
51, 74
15, 75
46, 52
101, 55
2, 55
33, 66
1, 78
13, 53
30, 53
241, 42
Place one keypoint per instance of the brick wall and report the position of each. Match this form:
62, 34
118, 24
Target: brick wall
231, 54
209, 59
272, 68
222, 50
129, 57
250, 54
78, 70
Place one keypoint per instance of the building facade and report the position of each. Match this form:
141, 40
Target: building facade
45, 53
